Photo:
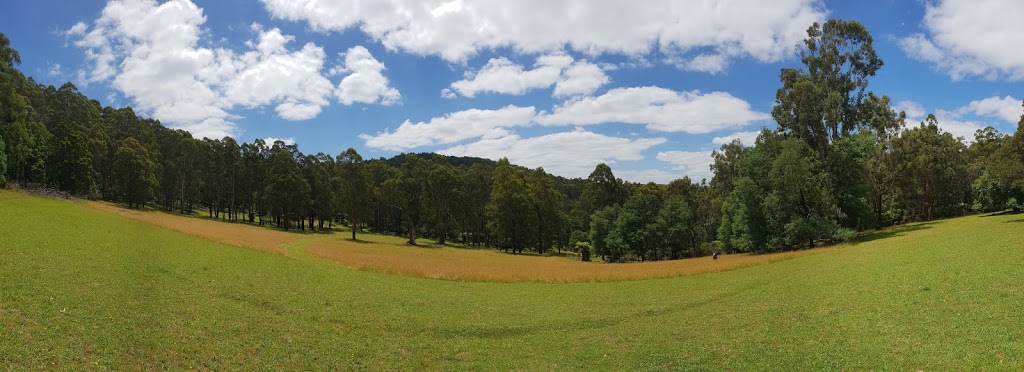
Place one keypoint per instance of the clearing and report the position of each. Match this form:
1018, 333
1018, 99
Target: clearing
84, 288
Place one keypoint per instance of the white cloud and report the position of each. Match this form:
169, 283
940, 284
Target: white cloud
568, 154
1007, 108
151, 53
710, 63
78, 29
659, 109
581, 78
746, 138
500, 75
949, 121
952, 123
971, 38
695, 164
457, 29
659, 176
287, 141
366, 83
55, 70
452, 128
914, 110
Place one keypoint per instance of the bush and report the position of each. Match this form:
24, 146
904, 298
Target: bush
583, 249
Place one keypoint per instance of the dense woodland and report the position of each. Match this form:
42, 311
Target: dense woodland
841, 161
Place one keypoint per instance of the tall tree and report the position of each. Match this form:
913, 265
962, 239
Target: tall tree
546, 208
356, 188
135, 173
821, 103
601, 190
509, 210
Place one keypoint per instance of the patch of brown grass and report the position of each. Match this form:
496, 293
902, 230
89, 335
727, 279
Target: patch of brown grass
236, 234
491, 265
385, 254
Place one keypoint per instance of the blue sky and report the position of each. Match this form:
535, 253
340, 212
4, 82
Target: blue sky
648, 87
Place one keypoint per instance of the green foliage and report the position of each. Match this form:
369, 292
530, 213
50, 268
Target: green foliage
822, 103
601, 227
3, 163
354, 188
510, 212
135, 173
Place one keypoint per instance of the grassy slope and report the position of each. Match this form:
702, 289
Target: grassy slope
81, 287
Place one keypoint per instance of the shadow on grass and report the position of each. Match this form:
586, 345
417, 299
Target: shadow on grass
1003, 213
1019, 220
893, 232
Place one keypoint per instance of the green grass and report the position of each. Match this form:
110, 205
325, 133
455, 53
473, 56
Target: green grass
81, 288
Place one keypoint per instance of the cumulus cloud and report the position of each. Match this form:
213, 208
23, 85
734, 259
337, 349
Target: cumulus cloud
366, 83
967, 38
659, 176
746, 138
287, 141
569, 154
659, 109
457, 29
695, 164
78, 29
913, 109
151, 53
501, 75
1007, 108
949, 121
452, 128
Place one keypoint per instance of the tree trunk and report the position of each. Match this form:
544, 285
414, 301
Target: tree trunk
412, 235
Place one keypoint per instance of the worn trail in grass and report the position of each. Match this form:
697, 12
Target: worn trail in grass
390, 255
83, 288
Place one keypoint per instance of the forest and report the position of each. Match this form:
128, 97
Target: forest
840, 160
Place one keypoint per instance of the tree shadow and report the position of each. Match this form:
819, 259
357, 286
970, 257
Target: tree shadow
1019, 220
893, 232
1003, 213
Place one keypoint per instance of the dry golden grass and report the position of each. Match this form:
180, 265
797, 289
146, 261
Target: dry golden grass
385, 254
491, 265
236, 234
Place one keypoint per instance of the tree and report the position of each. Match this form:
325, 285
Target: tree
821, 103
601, 190
1006, 164
3, 163
441, 193
635, 226
135, 173
69, 165
287, 191
509, 211
675, 227
318, 171
933, 171
546, 203
407, 190
601, 227
356, 188
798, 207
476, 194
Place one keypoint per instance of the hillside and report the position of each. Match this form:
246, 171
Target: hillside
83, 288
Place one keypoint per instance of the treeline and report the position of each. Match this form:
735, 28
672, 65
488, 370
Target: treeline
840, 161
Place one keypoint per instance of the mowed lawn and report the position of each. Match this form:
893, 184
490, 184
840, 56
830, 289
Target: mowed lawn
83, 288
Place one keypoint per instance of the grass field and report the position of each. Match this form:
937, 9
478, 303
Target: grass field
82, 287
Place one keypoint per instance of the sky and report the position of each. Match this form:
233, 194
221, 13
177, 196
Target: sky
648, 87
